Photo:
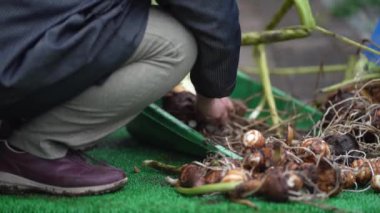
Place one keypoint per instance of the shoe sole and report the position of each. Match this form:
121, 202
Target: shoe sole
10, 183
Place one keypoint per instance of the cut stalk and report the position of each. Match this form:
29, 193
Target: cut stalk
209, 188
346, 40
272, 36
299, 70
285, 7
261, 60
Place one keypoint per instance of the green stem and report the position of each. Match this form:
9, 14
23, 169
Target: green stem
349, 74
261, 60
346, 40
305, 13
162, 166
209, 188
256, 112
285, 7
299, 70
271, 36
350, 82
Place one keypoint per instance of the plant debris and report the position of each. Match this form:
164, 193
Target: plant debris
136, 169
330, 159
352, 120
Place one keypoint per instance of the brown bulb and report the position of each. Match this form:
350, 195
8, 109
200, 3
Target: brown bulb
327, 180
254, 160
213, 176
235, 175
375, 183
318, 146
348, 179
192, 175
362, 171
253, 139
294, 182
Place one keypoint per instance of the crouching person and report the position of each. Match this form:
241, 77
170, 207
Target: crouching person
73, 71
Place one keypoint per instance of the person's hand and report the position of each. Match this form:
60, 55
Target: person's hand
214, 110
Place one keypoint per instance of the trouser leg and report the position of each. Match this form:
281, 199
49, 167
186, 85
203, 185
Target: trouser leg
165, 55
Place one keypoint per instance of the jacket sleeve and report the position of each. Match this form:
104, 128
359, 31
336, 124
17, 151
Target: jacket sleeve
215, 26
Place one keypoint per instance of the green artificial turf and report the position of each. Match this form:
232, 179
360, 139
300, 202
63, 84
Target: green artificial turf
147, 191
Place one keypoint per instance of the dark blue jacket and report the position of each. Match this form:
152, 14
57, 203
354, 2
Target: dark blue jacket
51, 50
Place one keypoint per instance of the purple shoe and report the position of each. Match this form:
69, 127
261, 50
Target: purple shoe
70, 175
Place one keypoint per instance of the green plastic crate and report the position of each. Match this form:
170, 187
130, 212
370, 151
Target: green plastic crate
156, 126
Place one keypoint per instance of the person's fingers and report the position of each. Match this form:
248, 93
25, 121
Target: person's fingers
216, 111
225, 117
228, 105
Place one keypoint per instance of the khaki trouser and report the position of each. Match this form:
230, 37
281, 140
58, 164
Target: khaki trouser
165, 55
